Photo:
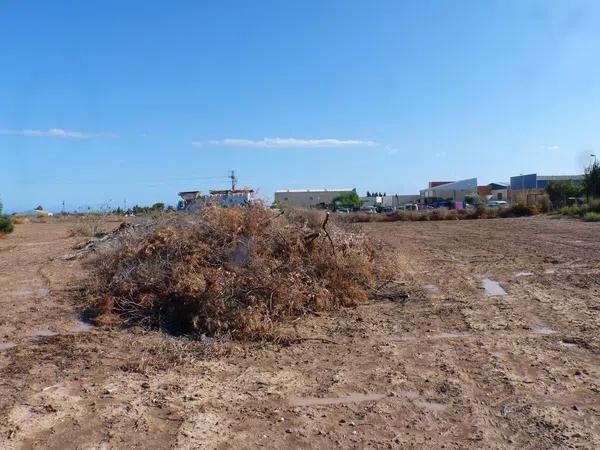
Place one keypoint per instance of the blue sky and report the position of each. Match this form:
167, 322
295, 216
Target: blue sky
102, 101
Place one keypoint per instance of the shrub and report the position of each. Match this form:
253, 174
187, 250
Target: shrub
594, 205
20, 220
235, 272
592, 217
6, 225
89, 225
518, 210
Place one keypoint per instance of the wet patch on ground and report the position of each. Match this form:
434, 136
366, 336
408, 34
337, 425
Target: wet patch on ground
6, 346
492, 288
350, 398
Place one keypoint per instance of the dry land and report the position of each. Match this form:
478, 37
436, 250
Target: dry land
453, 366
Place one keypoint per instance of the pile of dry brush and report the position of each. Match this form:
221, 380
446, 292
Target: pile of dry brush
234, 272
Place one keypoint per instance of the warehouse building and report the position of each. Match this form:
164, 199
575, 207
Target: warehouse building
309, 198
455, 191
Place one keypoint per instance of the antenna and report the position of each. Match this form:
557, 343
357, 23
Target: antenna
233, 180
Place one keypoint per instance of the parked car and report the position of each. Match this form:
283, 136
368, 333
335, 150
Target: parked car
497, 204
441, 205
368, 210
410, 207
387, 209
342, 210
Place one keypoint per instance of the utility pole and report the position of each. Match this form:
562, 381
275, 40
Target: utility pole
233, 180
63, 206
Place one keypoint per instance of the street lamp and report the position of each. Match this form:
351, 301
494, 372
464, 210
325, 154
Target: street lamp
594, 156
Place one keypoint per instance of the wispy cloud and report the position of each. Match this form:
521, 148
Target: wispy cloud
287, 143
551, 148
57, 133
390, 149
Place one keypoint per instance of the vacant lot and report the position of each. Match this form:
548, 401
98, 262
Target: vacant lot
451, 367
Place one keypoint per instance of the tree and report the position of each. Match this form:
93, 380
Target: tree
368, 194
1, 207
560, 191
39, 208
591, 181
158, 206
347, 200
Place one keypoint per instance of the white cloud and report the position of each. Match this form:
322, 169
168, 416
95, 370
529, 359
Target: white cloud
56, 132
288, 143
551, 148
390, 149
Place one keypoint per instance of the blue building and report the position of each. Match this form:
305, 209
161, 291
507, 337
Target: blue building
534, 181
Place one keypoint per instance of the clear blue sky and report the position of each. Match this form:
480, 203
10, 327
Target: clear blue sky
111, 100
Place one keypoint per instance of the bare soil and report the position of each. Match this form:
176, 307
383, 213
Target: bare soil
451, 367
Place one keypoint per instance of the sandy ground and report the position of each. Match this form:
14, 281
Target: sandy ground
450, 368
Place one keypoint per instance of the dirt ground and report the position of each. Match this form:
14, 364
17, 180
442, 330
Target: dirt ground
451, 367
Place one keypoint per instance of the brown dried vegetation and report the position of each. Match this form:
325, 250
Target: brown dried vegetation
232, 272
479, 212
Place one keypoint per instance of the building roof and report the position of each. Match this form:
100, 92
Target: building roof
469, 183
231, 191
559, 177
433, 184
313, 190
33, 213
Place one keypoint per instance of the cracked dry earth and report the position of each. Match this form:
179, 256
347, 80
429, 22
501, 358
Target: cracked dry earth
455, 366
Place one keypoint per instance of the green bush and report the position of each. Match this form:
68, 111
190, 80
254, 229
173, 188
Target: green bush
592, 217
6, 225
594, 205
572, 211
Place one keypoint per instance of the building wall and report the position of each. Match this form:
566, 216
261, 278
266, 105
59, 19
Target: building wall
484, 190
521, 182
308, 198
500, 194
456, 195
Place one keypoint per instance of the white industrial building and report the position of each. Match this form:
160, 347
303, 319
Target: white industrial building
456, 191
309, 198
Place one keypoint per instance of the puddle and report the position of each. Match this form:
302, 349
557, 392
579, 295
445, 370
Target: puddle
81, 327
44, 333
407, 338
6, 346
549, 271
523, 274
352, 398
29, 292
544, 330
492, 288
432, 287
450, 335
443, 335
434, 406
24, 293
